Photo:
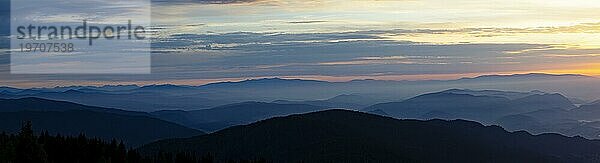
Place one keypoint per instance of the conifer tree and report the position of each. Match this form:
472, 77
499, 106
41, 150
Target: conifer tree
28, 150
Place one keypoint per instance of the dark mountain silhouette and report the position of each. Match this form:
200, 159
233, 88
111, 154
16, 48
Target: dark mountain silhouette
536, 112
270, 89
460, 105
95, 88
553, 115
182, 97
349, 136
529, 76
482, 106
38, 104
567, 127
135, 128
168, 89
233, 114
264, 82
342, 101
5, 89
580, 121
163, 87
494, 93
520, 122
543, 101
142, 100
33, 91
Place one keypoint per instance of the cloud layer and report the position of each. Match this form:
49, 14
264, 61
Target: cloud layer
227, 39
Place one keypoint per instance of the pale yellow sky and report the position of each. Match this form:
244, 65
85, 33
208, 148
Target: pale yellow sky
566, 25
338, 40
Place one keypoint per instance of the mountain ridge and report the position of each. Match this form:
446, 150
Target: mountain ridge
224, 116
350, 136
66, 118
277, 79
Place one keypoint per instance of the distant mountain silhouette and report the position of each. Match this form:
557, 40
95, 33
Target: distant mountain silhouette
342, 101
38, 104
583, 121
550, 121
494, 93
134, 128
543, 101
184, 97
536, 112
233, 114
5, 89
143, 99
349, 136
482, 106
105, 88
528, 76
264, 82
460, 105
520, 122
166, 88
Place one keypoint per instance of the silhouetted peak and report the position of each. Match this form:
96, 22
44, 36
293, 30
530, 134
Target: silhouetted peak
163, 86
277, 80
264, 82
445, 94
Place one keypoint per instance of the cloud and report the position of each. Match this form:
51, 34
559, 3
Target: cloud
422, 60
572, 55
187, 56
307, 22
248, 40
384, 58
336, 53
204, 1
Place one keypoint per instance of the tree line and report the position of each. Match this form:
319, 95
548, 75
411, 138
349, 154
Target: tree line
27, 147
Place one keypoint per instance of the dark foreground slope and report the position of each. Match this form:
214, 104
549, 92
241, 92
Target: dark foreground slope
348, 136
56, 117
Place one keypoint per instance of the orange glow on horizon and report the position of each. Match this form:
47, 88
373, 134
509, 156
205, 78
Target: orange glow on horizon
584, 69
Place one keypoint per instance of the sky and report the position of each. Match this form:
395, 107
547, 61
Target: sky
201, 41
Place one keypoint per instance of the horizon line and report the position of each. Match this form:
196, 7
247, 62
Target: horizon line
332, 79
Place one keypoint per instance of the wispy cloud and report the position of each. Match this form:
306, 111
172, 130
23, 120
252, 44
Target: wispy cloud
307, 22
205, 1
227, 39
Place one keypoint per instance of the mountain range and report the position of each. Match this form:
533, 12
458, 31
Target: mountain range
536, 112
296, 91
437, 126
70, 119
182, 111
482, 106
233, 114
354, 102
350, 136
